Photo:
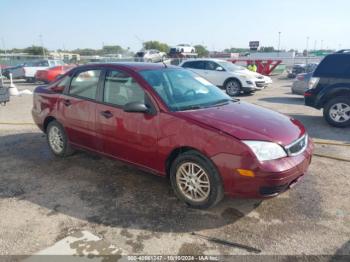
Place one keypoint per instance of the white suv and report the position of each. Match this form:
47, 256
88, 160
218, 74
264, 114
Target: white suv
235, 79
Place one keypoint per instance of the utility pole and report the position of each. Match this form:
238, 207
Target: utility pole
307, 48
42, 45
279, 42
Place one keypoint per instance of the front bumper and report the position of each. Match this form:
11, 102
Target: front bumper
270, 180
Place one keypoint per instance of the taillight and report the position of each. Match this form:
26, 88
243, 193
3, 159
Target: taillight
300, 77
313, 82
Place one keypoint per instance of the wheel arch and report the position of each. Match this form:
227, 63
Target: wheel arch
232, 78
47, 121
340, 91
178, 151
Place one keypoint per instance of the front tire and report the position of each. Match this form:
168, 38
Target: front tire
57, 140
196, 181
233, 87
337, 112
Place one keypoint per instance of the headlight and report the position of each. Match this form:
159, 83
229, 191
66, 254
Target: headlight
265, 150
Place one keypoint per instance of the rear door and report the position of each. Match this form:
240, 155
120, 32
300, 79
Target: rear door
125, 135
78, 106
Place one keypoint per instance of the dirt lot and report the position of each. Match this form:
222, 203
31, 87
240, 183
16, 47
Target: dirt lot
44, 199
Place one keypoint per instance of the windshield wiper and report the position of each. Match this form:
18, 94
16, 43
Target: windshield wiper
223, 102
191, 107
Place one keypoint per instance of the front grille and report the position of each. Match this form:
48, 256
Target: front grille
260, 83
298, 146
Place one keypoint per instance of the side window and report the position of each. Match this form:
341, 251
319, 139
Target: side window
199, 65
210, 65
121, 89
85, 83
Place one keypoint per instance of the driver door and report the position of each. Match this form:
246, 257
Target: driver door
128, 136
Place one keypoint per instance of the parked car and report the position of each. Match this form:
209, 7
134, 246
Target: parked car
28, 70
301, 68
301, 83
233, 78
7, 70
50, 74
183, 48
172, 122
152, 56
329, 88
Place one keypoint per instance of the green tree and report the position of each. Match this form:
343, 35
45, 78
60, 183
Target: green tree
112, 49
35, 50
236, 50
86, 51
201, 51
156, 45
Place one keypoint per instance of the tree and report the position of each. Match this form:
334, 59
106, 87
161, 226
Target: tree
112, 49
236, 50
35, 50
156, 45
201, 51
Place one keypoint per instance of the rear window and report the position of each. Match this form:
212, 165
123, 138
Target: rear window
335, 65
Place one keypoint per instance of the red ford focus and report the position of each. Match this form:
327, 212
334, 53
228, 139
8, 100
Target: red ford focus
172, 122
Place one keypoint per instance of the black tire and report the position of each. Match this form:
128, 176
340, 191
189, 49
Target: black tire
216, 191
328, 112
233, 87
66, 147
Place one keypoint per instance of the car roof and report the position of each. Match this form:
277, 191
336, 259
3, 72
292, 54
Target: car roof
205, 59
135, 66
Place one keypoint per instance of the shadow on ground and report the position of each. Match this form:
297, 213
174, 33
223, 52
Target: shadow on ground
317, 127
284, 100
102, 191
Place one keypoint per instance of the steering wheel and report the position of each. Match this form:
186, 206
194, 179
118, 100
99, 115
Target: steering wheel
189, 91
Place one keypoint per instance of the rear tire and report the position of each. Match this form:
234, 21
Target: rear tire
337, 112
233, 87
57, 140
196, 181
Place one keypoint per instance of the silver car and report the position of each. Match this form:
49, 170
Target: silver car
152, 56
300, 84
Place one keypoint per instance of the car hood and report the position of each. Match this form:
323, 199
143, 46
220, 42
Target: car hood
247, 72
249, 122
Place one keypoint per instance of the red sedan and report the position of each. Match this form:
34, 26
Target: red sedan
49, 75
174, 123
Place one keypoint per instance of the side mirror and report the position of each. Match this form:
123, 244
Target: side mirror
135, 107
219, 68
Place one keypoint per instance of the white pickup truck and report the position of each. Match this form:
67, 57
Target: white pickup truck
28, 70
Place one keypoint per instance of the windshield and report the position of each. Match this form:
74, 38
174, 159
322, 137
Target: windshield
230, 66
183, 90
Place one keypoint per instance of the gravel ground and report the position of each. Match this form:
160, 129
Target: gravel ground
43, 199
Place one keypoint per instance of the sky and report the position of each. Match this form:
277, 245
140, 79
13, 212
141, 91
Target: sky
216, 24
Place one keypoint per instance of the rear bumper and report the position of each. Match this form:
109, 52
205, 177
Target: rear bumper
310, 100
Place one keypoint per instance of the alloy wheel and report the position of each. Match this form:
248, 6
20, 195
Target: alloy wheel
193, 181
340, 112
232, 88
56, 139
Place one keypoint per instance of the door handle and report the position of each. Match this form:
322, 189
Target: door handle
67, 102
107, 114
